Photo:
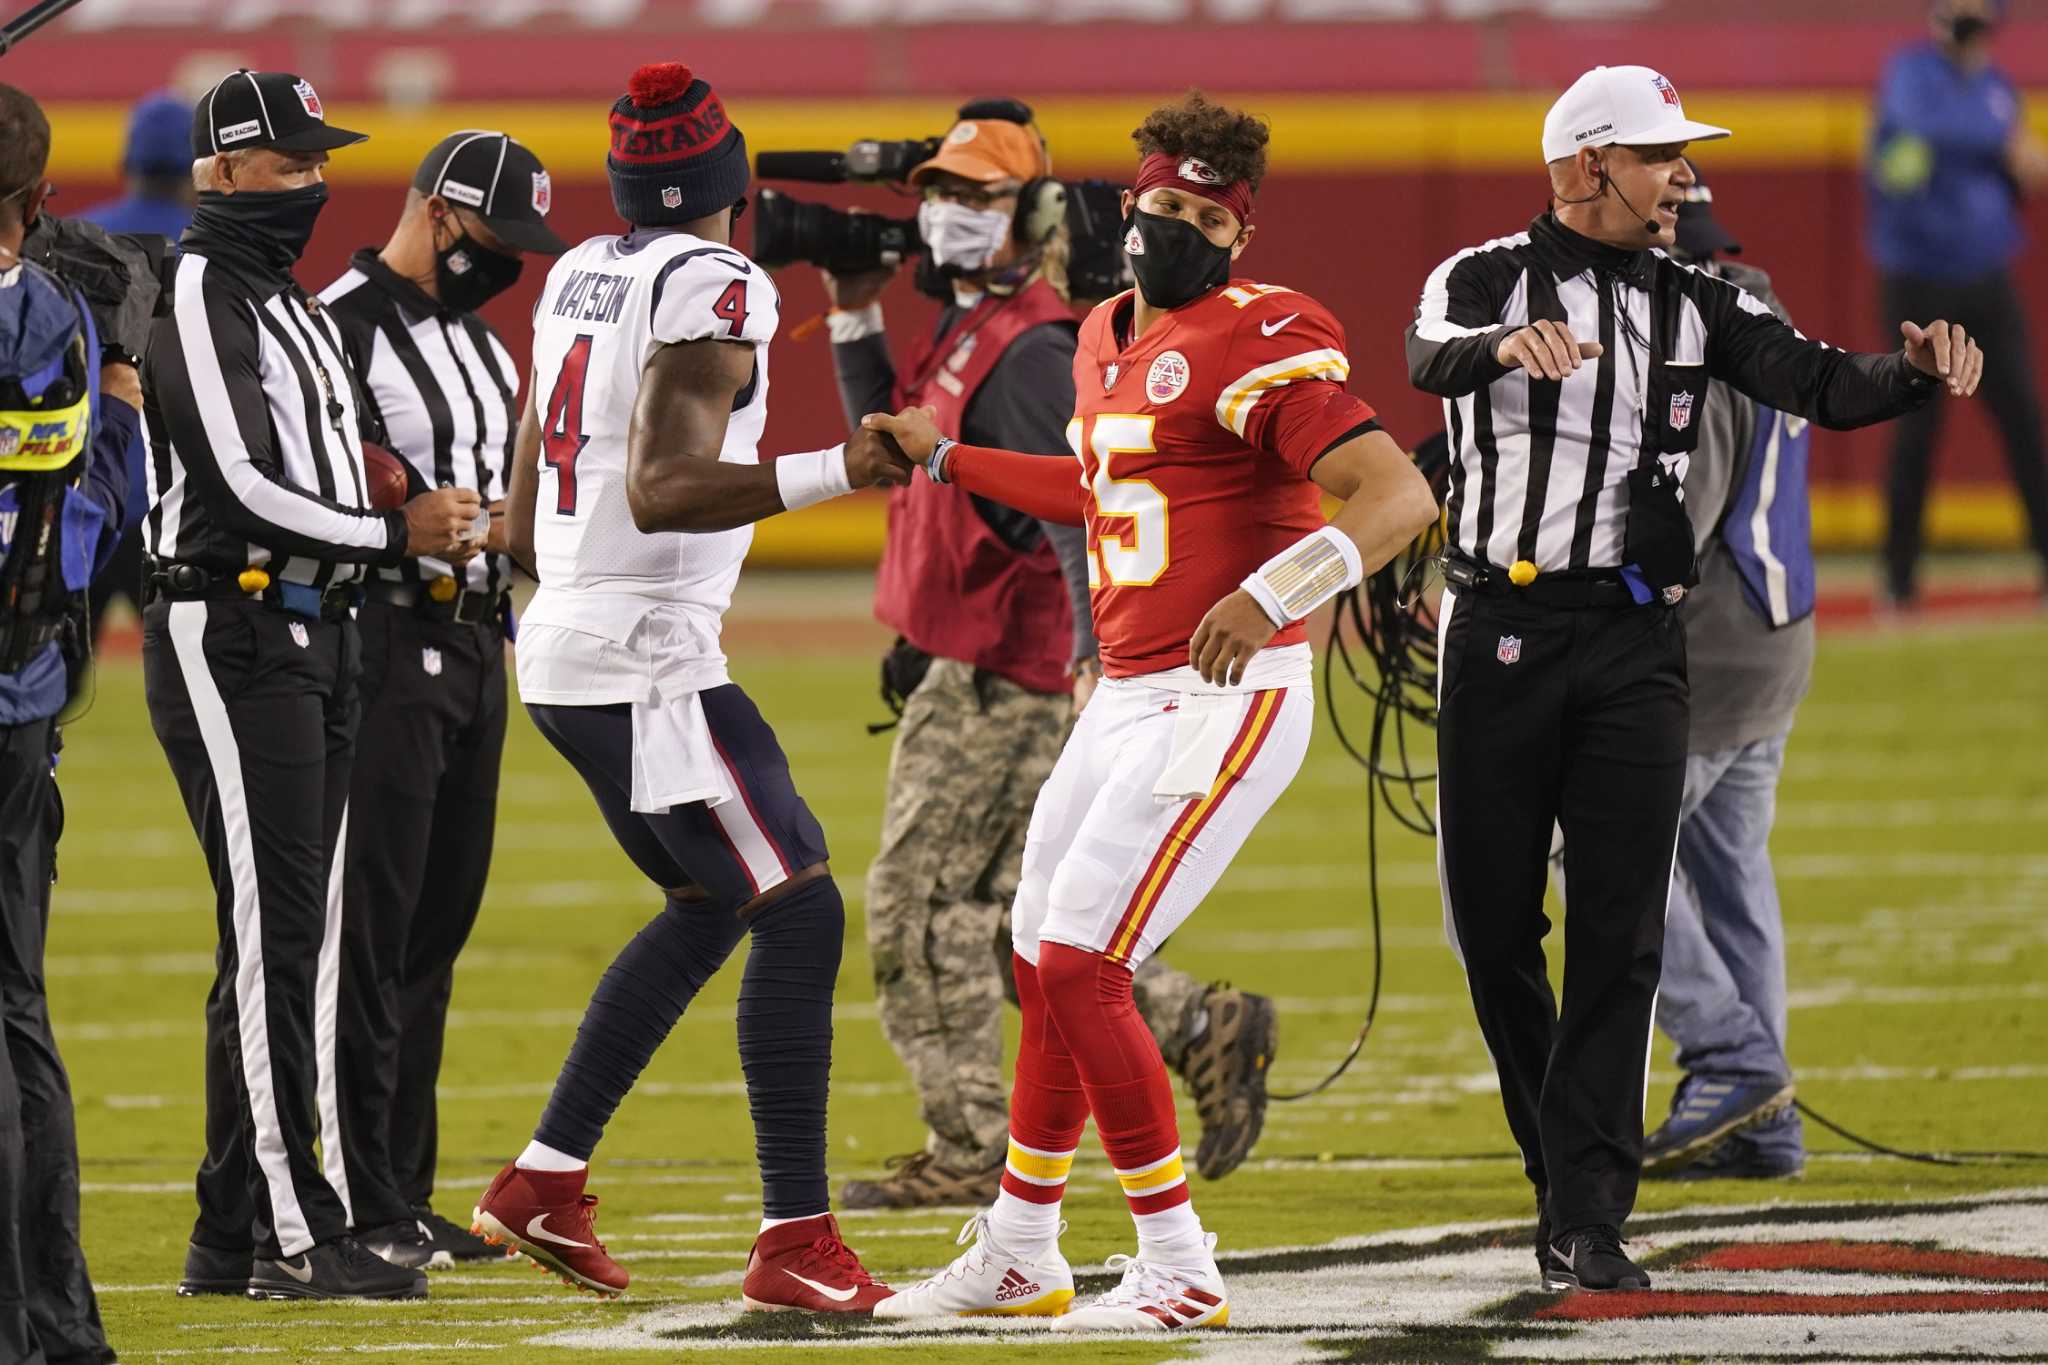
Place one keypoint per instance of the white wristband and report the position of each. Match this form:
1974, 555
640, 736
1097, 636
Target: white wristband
844, 326
811, 476
1305, 575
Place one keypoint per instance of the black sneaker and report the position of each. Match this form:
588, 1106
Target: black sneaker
1592, 1258
403, 1243
452, 1243
209, 1270
341, 1269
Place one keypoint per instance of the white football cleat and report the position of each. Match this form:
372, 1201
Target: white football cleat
1155, 1298
987, 1280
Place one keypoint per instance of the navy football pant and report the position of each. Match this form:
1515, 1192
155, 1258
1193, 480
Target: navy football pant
725, 855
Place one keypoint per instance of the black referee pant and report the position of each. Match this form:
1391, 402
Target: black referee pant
423, 811
1575, 715
1994, 311
256, 710
47, 1309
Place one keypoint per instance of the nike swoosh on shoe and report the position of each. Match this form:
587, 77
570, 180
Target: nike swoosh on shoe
537, 1229
836, 1295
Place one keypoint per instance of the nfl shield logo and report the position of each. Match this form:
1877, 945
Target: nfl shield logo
1109, 374
430, 659
543, 193
304, 90
1510, 649
671, 196
299, 634
1670, 95
1681, 410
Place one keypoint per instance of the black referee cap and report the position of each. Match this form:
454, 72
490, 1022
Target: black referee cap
264, 109
1701, 236
497, 179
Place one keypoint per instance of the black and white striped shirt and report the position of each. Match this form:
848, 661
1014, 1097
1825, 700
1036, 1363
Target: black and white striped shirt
442, 387
250, 409
1539, 468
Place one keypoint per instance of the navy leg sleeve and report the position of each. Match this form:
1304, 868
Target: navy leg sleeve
785, 1027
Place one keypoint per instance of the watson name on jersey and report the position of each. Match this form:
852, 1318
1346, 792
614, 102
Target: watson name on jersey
1196, 443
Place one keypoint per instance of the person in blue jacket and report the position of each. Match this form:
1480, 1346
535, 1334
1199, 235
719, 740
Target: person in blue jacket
1949, 160
157, 166
66, 422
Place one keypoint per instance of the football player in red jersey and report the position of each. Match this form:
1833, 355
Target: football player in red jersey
1210, 419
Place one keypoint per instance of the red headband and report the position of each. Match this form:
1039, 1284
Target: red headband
1192, 175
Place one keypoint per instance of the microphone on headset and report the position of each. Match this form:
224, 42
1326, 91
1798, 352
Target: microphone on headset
1606, 183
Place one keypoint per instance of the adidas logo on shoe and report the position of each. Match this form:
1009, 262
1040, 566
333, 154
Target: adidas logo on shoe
1015, 1286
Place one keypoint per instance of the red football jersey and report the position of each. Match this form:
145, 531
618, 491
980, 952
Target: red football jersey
1195, 476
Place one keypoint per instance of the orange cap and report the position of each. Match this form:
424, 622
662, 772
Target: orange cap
987, 149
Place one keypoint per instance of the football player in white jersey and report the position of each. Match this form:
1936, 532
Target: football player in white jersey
635, 482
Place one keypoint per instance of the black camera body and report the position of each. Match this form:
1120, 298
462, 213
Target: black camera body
788, 230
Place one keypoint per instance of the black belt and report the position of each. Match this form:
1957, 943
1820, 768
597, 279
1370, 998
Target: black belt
1562, 588
463, 607
174, 582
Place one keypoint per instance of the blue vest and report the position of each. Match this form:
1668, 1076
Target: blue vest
1769, 527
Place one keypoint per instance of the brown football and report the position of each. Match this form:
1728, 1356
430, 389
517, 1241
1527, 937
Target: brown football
385, 475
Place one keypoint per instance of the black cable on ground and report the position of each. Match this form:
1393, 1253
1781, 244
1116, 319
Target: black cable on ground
1385, 619
1925, 1158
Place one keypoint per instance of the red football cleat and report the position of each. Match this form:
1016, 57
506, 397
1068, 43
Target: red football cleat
546, 1215
803, 1265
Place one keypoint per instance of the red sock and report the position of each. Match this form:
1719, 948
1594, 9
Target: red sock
1047, 1113
1125, 1080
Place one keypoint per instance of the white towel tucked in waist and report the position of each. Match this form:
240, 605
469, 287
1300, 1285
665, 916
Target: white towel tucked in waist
674, 758
1202, 730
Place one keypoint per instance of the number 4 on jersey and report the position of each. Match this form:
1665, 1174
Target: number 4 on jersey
562, 438
732, 306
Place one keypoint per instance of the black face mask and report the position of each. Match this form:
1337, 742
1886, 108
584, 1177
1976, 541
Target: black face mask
270, 227
1963, 27
469, 274
1174, 262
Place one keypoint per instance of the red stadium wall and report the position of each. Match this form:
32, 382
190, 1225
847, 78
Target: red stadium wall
1363, 243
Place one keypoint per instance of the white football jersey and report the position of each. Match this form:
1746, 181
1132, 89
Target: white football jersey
608, 305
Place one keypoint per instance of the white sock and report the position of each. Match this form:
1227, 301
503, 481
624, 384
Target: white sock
767, 1223
538, 1156
1021, 1226
1174, 1237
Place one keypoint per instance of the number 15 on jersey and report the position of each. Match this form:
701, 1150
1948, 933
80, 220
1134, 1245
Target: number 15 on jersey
1131, 542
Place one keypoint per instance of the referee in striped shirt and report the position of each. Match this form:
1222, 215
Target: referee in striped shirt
1574, 361
441, 388
258, 536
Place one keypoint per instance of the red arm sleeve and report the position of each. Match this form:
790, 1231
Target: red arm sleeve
1049, 489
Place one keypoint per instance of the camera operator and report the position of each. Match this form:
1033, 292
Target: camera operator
985, 601
66, 421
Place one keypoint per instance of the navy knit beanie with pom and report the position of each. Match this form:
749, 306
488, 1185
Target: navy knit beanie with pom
675, 156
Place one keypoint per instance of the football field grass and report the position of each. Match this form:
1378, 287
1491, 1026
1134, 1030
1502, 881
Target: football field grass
1912, 847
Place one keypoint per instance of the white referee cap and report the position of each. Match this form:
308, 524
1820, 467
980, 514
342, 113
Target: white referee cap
1631, 105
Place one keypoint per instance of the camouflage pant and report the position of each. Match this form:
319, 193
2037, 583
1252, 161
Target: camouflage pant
966, 767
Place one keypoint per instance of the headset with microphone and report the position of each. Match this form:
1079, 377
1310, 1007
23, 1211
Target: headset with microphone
1651, 226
